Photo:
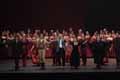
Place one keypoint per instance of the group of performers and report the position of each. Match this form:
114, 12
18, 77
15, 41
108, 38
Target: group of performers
66, 46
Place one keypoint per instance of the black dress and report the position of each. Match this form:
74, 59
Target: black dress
75, 56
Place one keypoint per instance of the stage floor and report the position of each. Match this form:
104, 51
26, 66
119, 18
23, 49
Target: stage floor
7, 66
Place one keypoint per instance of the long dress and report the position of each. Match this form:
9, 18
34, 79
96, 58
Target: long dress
48, 50
68, 48
34, 54
75, 57
25, 52
29, 46
68, 51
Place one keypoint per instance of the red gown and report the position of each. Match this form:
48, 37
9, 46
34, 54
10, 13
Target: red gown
79, 39
29, 46
68, 48
88, 49
35, 59
49, 51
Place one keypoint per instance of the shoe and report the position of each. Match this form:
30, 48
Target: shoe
98, 67
38, 64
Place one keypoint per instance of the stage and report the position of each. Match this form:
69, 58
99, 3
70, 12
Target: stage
7, 66
58, 72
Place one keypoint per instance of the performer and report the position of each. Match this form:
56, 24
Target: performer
4, 44
83, 46
41, 45
48, 50
68, 47
17, 50
10, 43
79, 38
98, 50
117, 49
88, 49
60, 50
112, 49
34, 50
75, 56
53, 46
25, 51
29, 45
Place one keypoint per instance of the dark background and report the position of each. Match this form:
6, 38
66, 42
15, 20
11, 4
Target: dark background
17, 14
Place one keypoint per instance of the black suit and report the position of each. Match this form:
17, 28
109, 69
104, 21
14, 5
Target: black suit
117, 50
60, 52
17, 51
98, 48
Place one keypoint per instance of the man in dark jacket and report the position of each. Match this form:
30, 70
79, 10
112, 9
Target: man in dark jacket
117, 49
98, 48
17, 50
60, 50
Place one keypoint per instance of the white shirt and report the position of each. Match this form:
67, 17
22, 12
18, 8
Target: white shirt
60, 44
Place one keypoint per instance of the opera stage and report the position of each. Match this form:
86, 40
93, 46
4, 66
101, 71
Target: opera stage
59, 72
7, 66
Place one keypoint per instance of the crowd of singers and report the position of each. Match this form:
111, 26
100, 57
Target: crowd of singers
66, 46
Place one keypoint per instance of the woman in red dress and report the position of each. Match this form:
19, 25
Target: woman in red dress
79, 38
29, 45
68, 47
25, 53
52, 49
48, 51
112, 52
88, 50
34, 50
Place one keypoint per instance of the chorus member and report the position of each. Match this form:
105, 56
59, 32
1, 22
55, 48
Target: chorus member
34, 50
29, 45
17, 51
99, 47
75, 56
48, 50
68, 47
41, 45
53, 46
83, 49
25, 51
4, 44
10, 43
117, 49
60, 50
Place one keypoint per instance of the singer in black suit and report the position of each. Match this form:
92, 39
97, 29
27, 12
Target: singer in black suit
60, 52
17, 50
116, 43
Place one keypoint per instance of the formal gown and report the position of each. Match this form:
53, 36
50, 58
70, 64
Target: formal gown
75, 56
35, 54
68, 51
